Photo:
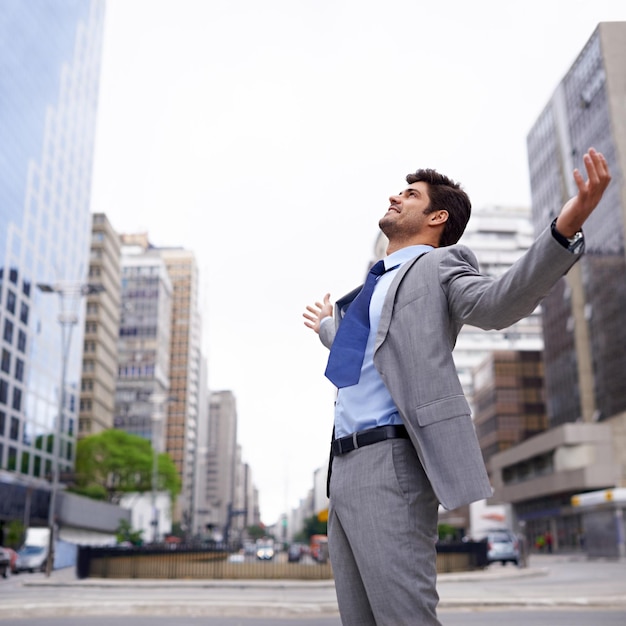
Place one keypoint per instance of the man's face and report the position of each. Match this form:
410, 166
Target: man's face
405, 216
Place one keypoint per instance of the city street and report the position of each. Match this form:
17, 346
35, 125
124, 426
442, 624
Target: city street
555, 590
466, 617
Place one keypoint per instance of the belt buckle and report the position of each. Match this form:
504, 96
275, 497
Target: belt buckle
355, 441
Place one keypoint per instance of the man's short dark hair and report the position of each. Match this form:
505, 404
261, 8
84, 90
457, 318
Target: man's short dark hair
447, 195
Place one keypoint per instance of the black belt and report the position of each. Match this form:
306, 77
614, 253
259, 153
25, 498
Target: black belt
368, 437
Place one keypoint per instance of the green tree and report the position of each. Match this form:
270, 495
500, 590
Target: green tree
114, 462
256, 532
312, 526
14, 534
124, 533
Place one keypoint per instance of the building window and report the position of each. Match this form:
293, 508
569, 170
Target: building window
25, 462
12, 460
8, 331
6, 361
17, 399
21, 341
11, 302
19, 369
4, 391
24, 313
14, 433
2, 422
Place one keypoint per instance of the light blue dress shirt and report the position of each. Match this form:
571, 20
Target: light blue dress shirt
368, 404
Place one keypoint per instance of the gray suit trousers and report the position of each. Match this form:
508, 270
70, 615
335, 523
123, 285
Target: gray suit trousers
382, 532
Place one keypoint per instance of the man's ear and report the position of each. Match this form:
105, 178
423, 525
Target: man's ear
439, 217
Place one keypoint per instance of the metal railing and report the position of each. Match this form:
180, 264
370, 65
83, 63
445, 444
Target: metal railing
194, 562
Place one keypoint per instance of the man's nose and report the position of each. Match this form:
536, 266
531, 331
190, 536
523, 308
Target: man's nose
394, 199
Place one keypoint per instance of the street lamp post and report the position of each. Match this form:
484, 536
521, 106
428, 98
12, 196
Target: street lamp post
69, 296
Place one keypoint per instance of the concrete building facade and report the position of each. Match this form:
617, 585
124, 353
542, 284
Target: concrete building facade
583, 317
143, 384
184, 408
99, 364
221, 461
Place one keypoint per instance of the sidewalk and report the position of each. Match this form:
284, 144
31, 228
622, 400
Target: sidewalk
564, 581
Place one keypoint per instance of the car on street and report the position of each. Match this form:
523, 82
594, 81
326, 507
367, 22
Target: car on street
502, 546
264, 550
296, 550
31, 559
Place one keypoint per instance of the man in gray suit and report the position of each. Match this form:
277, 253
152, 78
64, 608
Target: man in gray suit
403, 439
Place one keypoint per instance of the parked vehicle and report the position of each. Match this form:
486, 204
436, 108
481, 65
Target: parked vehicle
319, 548
296, 550
32, 559
503, 546
32, 556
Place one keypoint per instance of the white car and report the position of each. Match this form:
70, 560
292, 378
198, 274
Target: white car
265, 551
31, 559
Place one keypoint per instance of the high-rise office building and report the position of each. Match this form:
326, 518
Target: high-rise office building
97, 385
143, 383
584, 319
584, 323
50, 68
184, 410
178, 382
221, 460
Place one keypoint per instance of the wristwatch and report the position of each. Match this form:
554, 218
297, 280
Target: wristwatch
574, 244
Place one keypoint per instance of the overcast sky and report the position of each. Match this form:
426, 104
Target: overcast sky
267, 136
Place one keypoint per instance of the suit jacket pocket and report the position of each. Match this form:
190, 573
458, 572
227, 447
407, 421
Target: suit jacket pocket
440, 410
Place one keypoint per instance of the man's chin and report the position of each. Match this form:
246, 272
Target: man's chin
385, 222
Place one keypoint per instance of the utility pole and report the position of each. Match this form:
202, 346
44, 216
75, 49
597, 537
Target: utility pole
70, 294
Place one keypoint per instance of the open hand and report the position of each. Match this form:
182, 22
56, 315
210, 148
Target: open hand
314, 314
579, 208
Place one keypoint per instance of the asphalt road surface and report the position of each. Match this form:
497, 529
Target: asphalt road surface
488, 617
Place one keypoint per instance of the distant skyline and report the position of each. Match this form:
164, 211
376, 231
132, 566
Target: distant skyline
268, 136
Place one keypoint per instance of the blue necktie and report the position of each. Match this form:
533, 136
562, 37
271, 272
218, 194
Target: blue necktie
348, 349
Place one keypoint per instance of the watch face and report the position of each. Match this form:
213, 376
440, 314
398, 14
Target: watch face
576, 242
576, 237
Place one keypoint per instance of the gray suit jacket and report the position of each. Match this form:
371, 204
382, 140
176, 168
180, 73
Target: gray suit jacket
429, 300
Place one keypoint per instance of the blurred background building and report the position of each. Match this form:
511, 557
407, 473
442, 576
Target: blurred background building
584, 320
50, 66
102, 324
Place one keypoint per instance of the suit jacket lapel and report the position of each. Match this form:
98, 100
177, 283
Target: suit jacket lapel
385, 317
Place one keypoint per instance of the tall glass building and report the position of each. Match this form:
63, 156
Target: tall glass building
49, 75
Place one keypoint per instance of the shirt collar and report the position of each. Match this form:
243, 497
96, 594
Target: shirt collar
405, 254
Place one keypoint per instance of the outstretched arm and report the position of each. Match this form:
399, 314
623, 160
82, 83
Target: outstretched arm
314, 314
579, 208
